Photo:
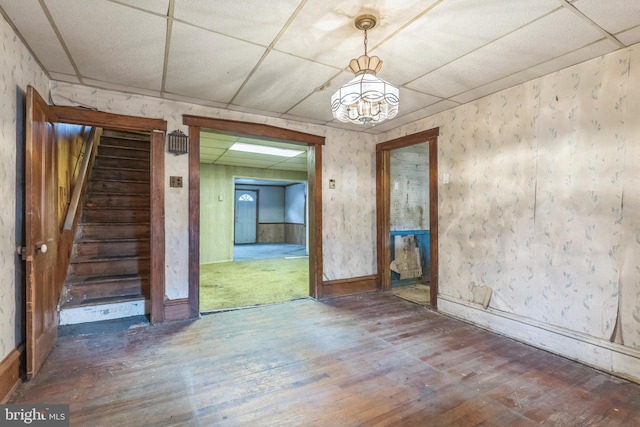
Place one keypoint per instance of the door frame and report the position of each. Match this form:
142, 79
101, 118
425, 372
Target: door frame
383, 208
235, 212
314, 188
41, 230
157, 129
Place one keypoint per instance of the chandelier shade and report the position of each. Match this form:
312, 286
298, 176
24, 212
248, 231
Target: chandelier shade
366, 98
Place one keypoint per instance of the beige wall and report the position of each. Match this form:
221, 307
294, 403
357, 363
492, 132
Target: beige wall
216, 216
18, 70
534, 210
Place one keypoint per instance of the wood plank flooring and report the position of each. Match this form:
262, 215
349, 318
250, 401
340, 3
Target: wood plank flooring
364, 360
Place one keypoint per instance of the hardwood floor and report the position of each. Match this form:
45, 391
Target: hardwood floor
364, 360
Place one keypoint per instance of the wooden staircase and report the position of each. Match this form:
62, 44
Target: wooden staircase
110, 255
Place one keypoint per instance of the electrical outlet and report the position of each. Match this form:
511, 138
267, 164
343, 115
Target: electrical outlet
175, 181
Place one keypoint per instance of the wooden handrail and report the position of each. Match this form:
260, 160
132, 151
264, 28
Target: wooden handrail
89, 152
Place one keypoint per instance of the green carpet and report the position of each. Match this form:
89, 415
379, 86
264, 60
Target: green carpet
246, 283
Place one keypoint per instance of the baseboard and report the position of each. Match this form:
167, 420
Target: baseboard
354, 285
601, 354
10, 374
176, 309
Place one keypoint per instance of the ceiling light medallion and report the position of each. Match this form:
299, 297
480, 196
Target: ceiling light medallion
366, 98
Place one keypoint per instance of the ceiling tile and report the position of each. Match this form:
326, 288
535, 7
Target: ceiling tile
29, 18
125, 46
279, 94
70, 78
629, 37
195, 63
554, 35
614, 16
155, 6
257, 21
452, 29
324, 31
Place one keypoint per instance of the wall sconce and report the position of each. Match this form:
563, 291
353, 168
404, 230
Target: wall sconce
178, 143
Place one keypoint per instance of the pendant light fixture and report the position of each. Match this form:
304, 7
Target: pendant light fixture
366, 98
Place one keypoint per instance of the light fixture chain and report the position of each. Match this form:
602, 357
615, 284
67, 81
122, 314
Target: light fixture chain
365, 41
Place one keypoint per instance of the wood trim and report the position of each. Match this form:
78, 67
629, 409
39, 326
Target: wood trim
354, 285
253, 129
314, 170
433, 220
83, 116
314, 187
10, 373
194, 221
101, 119
157, 238
383, 217
383, 209
177, 309
407, 140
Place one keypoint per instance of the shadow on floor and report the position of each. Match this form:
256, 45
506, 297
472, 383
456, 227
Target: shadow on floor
103, 326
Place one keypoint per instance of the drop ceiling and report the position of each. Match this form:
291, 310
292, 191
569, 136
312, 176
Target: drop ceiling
284, 58
214, 149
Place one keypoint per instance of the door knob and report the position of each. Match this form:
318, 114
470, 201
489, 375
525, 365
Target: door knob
42, 247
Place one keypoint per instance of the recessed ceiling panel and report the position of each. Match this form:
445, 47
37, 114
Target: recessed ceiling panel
112, 42
32, 23
207, 65
257, 21
268, 90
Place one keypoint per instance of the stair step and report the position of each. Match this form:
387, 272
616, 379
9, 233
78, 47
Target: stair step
87, 300
102, 200
113, 231
125, 135
110, 214
118, 187
91, 267
124, 151
97, 290
121, 163
119, 174
88, 249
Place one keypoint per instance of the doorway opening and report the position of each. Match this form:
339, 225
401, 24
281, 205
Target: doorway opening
252, 203
407, 216
269, 260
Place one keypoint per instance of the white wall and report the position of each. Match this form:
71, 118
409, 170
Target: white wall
17, 70
295, 203
270, 202
534, 210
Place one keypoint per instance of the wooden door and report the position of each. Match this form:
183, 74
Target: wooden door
41, 232
246, 217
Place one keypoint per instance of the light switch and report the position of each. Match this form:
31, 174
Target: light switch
175, 181
332, 183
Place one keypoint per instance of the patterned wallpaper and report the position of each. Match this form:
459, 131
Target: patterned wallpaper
348, 211
542, 204
17, 70
349, 157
